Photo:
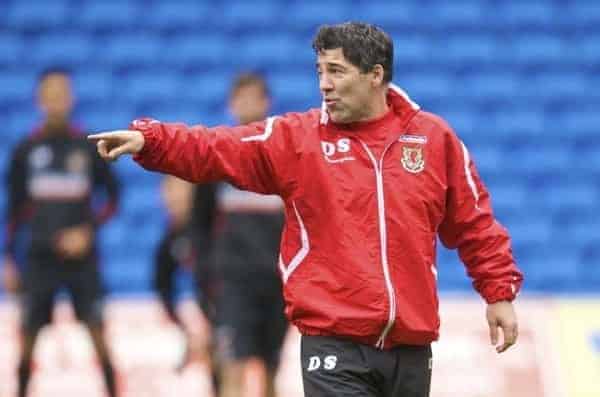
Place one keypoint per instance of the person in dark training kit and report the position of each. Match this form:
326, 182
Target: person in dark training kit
242, 283
250, 323
368, 182
53, 176
177, 249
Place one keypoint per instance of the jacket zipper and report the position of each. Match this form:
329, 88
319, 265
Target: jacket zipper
383, 237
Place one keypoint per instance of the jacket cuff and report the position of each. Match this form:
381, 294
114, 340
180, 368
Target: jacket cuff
147, 127
500, 292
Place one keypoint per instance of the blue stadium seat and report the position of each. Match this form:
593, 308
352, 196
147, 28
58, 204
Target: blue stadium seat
149, 86
112, 234
553, 86
109, 117
508, 198
278, 51
303, 87
515, 125
585, 12
463, 122
21, 124
487, 158
188, 113
412, 50
451, 271
534, 231
182, 14
424, 86
94, 84
308, 15
110, 14
242, 14
539, 49
457, 14
394, 16
12, 48
524, 14
37, 14
578, 124
535, 160
575, 196
578, 234
62, 49
588, 162
555, 269
477, 87
126, 272
587, 49
131, 50
469, 49
17, 85
201, 90
128, 170
588, 268
201, 52
143, 199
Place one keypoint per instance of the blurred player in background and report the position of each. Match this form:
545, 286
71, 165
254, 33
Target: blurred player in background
251, 325
185, 245
53, 176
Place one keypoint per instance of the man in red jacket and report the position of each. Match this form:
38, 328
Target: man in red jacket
368, 182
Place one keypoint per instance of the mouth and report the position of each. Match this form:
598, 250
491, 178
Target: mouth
331, 102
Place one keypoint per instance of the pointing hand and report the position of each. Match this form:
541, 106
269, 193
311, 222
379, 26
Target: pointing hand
111, 145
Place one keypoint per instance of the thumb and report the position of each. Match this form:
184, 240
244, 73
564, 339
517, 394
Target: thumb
119, 150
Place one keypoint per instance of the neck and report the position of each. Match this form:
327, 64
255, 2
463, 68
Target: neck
54, 125
377, 108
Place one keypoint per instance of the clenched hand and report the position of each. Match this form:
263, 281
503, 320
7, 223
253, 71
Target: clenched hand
75, 242
10, 276
502, 315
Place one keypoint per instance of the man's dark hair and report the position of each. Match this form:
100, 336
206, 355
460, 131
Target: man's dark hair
63, 71
363, 45
246, 79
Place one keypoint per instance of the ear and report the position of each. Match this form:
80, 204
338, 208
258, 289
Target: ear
377, 75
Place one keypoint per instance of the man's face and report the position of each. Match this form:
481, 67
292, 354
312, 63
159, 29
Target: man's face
347, 92
249, 103
55, 97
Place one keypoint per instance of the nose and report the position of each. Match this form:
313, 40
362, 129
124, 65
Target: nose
325, 84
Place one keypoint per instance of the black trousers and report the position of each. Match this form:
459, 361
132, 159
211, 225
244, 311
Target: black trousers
43, 279
251, 320
333, 367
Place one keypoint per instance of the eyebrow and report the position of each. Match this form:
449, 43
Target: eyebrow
332, 64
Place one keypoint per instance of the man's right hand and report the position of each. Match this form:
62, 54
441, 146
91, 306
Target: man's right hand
10, 276
111, 145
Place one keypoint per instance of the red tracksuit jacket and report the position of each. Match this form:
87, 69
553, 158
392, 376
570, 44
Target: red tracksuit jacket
357, 253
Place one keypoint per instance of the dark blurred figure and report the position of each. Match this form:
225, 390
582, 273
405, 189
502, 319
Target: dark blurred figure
185, 244
251, 326
53, 176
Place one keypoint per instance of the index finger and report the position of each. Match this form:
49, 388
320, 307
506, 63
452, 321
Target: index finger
106, 135
102, 135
